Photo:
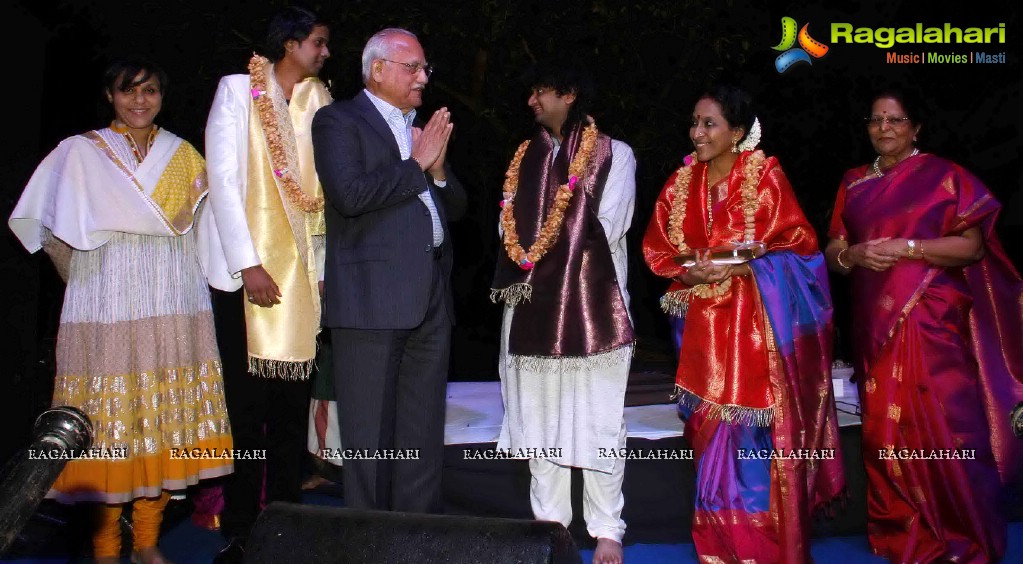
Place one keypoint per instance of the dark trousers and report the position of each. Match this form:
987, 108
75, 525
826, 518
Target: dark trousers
266, 414
391, 387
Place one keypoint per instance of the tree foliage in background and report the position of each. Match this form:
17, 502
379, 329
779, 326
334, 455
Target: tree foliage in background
651, 58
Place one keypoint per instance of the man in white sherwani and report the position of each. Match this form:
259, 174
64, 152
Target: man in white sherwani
266, 227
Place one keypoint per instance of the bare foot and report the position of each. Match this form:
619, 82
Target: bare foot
607, 552
149, 555
314, 482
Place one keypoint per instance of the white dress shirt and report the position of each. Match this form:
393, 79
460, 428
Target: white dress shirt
401, 127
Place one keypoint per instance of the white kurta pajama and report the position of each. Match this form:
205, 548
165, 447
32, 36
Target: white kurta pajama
572, 404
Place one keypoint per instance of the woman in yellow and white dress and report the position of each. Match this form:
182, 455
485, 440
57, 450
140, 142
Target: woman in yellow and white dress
136, 351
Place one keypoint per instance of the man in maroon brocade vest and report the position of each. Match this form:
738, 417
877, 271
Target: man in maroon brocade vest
567, 338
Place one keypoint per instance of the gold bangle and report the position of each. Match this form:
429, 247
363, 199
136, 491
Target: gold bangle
912, 247
838, 259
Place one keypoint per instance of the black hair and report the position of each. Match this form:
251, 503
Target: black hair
123, 74
290, 23
566, 77
736, 105
911, 103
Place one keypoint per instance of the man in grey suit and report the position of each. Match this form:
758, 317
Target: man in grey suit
388, 300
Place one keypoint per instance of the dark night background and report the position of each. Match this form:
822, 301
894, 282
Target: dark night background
651, 58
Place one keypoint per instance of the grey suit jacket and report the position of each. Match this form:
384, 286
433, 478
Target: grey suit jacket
379, 264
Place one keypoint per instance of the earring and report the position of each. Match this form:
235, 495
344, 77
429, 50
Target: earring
735, 145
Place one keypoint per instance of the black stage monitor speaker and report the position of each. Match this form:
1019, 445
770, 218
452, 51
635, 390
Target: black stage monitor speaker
288, 532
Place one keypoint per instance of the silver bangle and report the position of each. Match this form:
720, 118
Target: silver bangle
838, 259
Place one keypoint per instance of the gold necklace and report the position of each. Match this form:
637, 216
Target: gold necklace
680, 198
679, 304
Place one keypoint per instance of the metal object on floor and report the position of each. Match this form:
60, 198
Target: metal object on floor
60, 433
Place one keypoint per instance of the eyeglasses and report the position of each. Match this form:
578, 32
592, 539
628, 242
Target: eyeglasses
878, 121
414, 68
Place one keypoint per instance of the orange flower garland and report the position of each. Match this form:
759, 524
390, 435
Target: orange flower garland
676, 303
555, 215
272, 131
680, 196
680, 191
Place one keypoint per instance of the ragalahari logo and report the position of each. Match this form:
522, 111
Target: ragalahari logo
808, 46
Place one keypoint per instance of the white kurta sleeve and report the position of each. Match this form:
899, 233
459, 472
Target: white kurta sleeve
320, 254
616, 206
226, 157
619, 198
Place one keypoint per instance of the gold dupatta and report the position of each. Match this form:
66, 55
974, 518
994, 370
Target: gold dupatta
181, 187
282, 339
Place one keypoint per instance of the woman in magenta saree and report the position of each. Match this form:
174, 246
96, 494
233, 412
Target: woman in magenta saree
755, 342
937, 326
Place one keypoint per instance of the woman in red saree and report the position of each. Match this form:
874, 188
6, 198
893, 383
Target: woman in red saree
938, 365
755, 342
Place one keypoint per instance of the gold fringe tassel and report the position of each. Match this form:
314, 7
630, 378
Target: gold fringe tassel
676, 304
597, 361
283, 369
751, 416
512, 295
